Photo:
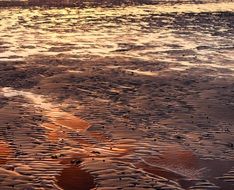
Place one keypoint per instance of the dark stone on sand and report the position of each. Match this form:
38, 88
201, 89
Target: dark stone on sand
76, 161
54, 156
96, 152
231, 145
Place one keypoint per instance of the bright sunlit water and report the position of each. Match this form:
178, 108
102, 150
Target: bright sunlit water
184, 34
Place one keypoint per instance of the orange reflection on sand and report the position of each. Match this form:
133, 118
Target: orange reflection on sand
173, 162
64, 121
178, 157
54, 133
57, 118
72, 122
99, 136
4, 152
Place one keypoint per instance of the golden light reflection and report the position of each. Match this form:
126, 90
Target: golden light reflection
146, 73
58, 119
174, 161
65, 121
72, 122
4, 152
54, 133
94, 31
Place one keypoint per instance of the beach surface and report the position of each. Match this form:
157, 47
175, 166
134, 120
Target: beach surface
123, 97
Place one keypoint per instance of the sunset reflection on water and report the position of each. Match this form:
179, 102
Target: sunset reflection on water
144, 32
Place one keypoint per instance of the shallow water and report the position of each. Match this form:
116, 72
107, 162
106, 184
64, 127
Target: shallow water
183, 34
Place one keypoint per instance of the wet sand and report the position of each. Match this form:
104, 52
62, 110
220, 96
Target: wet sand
126, 129
129, 118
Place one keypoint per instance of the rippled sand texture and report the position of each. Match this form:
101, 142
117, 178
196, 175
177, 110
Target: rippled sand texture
133, 98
